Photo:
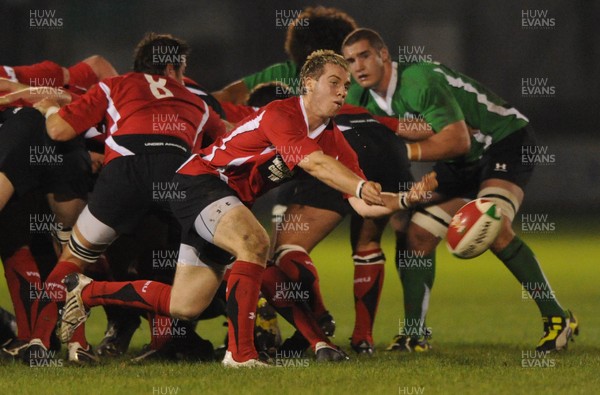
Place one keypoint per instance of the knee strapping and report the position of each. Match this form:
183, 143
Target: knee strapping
433, 219
503, 199
86, 254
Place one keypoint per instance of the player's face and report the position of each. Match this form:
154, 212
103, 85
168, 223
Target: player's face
366, 63
330, 90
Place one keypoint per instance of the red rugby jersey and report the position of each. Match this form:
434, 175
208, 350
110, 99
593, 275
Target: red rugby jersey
143, 105
263, 150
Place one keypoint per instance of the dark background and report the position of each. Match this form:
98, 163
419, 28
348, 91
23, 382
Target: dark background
483, 39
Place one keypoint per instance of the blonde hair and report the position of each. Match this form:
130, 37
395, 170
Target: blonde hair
316, 61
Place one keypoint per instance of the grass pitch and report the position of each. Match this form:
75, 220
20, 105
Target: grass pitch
484, 332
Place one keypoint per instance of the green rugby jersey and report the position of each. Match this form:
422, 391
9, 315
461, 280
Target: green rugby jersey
442, 96
286, 72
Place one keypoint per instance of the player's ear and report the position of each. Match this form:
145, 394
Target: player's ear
170, 71
309, 84
384, 54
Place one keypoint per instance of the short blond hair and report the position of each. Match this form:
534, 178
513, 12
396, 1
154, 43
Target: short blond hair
316, 61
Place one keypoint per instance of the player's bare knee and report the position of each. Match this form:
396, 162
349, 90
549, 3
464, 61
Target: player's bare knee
257, 244
420, 239
505, 236
187, 311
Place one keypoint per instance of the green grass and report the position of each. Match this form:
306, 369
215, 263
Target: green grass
481, 327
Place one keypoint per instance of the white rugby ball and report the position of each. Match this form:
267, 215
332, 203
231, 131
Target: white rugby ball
473, 228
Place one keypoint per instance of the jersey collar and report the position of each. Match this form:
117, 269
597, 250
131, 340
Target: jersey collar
317, 132
386, 103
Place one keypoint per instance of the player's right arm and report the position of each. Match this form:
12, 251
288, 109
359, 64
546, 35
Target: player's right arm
428, 94
452, 141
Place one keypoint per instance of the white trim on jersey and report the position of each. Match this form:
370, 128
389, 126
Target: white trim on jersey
114, 114
386, 103
10, 72
222, 176
268, 149
111, 109
249, 126
304, 113
92, 132
112, 144
202, 123
196, 91
481, 97
186, 162
240, 161
315, 133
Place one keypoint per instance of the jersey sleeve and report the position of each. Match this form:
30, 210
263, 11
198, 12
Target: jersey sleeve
87, 111
289, 138
430, 96
212, 129
282, 72
82, 76
46, 73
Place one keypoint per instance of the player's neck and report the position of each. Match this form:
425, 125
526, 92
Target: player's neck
314, 119
382, 87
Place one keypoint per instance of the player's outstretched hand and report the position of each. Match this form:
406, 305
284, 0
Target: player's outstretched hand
371, 193
422, 190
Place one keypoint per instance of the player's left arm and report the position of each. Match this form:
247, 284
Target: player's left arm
33, 94
63, 124
58, 129
7, 85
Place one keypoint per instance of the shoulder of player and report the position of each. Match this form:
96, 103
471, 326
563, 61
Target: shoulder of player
422, 72
282, 110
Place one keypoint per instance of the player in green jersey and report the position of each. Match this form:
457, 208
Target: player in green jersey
477, 141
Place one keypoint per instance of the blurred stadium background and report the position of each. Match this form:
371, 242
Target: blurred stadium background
484, 39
